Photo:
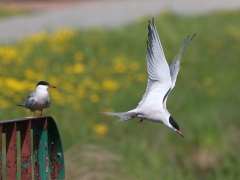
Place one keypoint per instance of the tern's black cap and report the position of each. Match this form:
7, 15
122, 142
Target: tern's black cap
173, 123
42, 83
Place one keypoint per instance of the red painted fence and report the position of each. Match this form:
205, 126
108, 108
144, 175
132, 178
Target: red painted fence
41, 153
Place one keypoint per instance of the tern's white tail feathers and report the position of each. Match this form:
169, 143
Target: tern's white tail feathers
124, 116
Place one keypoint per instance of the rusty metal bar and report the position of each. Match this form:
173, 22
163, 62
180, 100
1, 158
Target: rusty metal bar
25, 133
1, 171
56, 160
41, 164
11, 148
47, 154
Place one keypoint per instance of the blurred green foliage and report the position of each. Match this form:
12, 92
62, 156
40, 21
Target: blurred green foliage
7, 12
105, 70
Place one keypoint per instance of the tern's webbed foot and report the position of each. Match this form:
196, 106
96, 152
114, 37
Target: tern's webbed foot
139, 121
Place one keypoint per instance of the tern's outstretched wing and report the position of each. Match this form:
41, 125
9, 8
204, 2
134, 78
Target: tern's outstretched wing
174, 68
159, 79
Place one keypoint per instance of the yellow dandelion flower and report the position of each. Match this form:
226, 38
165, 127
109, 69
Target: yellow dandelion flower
57, 97
94, 98
233, 31
14, 84
208, 81
30, 85
110, 85
7, 54
119, 64
100, 129
79, 56
38, 37
29, 74
53, 80
59, 40
32, 75
78, 68
81, 93
134, 66
62, 35
1, 82
142, 78
4, 104
87, 82
119, 67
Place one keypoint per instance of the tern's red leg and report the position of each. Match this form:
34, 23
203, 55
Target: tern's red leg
134, 116
140, 120
34, 114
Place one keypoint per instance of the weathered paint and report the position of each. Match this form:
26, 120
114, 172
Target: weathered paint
25, 133
1, 173
56, 162
11, 148
48, 152
40, 135
57, 168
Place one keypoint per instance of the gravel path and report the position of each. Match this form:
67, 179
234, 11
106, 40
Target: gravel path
103, 14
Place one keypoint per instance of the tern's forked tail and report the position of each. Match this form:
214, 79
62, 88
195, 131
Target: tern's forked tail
124, 116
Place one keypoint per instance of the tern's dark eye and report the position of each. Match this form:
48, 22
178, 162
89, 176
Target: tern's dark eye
173, 123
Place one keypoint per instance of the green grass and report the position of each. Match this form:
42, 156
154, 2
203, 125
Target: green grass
204, 102
7, 12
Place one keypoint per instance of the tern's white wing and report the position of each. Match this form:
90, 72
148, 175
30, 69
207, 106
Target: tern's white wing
174, 68
159, 79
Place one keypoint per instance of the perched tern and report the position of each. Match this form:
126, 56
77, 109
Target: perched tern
39, 99
161, 80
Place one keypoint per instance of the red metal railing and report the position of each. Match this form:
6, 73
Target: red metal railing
40, 149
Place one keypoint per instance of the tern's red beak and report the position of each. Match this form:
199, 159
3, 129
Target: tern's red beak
180, 133
51, 86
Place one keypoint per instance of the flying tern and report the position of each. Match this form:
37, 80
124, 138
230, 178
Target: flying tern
161, 80
39, 99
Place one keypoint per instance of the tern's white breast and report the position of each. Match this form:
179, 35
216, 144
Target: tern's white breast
42, 100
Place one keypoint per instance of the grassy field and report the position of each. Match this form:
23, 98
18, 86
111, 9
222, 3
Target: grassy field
105, 70
7, 12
